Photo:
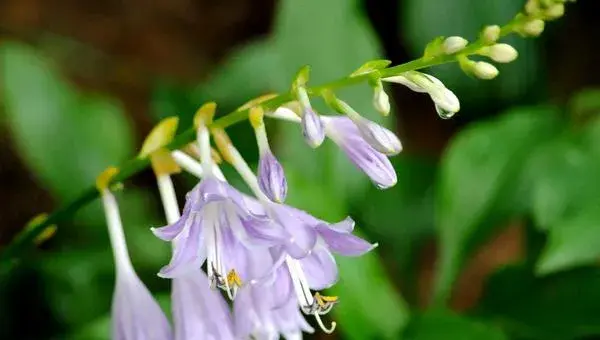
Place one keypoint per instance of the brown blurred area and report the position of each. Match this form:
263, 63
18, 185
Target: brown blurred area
121, 46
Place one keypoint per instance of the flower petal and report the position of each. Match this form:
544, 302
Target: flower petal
302, 237
344, 243
320, 269
188, 253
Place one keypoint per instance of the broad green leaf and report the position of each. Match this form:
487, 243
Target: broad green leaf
67, 138
573, 241
479, 183
557, 307
443, 325
564, 178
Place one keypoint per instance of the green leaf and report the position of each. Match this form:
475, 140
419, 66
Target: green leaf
67, 138
556, 307
370, 66
479, 184
442, 325
573, 241
563, 179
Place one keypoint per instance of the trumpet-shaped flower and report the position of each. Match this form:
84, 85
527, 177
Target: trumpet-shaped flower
135, 313
215, 215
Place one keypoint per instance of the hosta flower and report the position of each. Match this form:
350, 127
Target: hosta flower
312, 126
380, 138
135, 313
198, 311
446, 102
271, 177
372, 162
215, 215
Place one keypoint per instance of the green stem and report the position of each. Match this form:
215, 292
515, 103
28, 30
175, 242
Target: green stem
132, 167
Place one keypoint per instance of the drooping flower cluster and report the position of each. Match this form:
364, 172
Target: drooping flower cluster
271, 259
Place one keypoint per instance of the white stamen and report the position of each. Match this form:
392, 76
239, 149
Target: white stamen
305, 298
204, 144
115, 232
325, 329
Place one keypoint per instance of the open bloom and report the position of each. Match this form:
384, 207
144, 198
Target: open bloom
215, 215
198, 311
372, 162
135, 313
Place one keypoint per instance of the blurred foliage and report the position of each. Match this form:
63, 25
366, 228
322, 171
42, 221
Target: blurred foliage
536, 164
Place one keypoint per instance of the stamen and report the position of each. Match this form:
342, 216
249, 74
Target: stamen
323, 328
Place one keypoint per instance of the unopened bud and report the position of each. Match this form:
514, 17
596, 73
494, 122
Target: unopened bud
533, 28
532, 7
312, 127
380, 138
555, 11
454, 44
484, 70
490, 34
501, 53
381, 100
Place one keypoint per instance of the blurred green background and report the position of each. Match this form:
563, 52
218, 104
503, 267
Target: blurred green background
493, 231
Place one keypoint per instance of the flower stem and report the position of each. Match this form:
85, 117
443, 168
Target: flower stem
136, 165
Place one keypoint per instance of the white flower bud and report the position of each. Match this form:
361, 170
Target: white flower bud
381, 100
501, 53
555, 11
533, 28
490, 34
484, 70
454, 44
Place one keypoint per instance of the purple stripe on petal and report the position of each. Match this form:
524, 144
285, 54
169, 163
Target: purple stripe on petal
271, 178
373, 163
188, 253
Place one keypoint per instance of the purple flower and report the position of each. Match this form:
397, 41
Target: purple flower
266, 310
198, 311
312, 127
135, 313
372, 162
215, 218
271, 178
380, 138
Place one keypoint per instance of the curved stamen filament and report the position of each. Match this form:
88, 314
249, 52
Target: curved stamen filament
325, 329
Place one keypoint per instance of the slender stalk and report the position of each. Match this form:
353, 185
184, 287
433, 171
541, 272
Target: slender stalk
134, 166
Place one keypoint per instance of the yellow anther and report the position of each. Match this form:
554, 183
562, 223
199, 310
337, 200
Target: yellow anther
103, 180
223, 143
234, 279
257, 101
205, 114
161, 135
322, 300
256, 116
163, 163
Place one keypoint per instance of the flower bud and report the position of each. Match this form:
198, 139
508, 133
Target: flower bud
532, 7
501, 53
555, 11
533, 28
490, 34
312, 128
381, 101
454, 44
484, 70
378, 137
271, 178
